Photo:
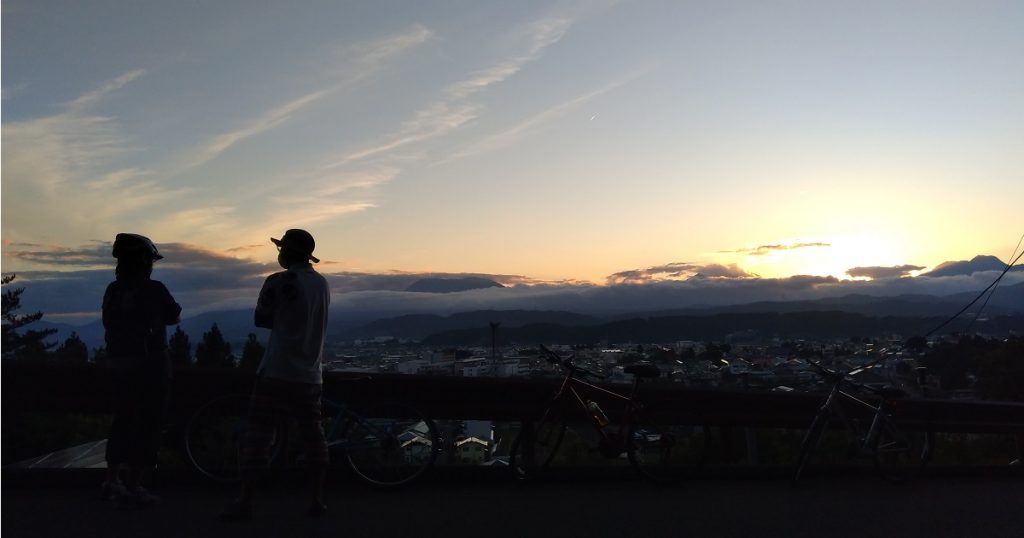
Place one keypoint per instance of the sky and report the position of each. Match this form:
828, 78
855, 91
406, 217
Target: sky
592, 144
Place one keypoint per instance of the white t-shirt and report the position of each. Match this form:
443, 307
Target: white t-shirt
296, 301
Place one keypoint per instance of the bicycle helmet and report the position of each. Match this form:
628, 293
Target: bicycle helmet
126, 244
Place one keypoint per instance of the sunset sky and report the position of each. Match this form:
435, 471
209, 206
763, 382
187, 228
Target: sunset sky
550, 141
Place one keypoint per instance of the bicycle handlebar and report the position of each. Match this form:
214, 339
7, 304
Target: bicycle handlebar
845, 377
555, 358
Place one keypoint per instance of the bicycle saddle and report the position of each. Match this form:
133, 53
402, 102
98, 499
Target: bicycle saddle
643, 370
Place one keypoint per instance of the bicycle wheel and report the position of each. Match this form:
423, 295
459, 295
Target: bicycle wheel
665, 453
390, 445
213, 435
899, 455
533, 450
810, 443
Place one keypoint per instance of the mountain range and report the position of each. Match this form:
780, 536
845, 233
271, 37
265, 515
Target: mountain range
975, 265
469, 326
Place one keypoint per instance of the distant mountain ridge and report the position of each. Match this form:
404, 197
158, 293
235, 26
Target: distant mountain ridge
975, 265
236, 324
719, 327
1007, 300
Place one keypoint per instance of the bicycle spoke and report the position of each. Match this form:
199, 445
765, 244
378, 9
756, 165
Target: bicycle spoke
392, 445
213, 435
534, 449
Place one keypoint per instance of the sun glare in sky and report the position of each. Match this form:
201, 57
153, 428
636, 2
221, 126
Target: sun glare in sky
557, 141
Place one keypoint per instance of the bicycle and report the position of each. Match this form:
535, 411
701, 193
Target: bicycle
656, 451
384, 445
896, 455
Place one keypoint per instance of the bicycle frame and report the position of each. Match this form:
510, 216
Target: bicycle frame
834, 406
895, 454
567, 392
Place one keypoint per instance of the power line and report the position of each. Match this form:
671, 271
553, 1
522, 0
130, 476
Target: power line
980, 295
993, 292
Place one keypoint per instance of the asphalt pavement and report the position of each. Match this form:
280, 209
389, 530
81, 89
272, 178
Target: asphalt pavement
830, 506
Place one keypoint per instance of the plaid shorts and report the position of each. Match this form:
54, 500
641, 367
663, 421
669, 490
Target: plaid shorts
273, 399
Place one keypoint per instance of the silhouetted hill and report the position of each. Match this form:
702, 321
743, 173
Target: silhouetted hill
791, 325
236, 324
451, 285
1006, 300
964, 267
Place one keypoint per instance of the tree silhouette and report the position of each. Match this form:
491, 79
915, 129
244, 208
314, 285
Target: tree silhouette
1001, 371
214, 351
252, 354
73, 350
179, 349
99, 356
28, 345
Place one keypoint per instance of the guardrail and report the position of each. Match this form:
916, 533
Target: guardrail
86, 389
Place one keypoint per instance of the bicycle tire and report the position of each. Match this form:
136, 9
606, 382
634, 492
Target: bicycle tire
900, 456
665, 453
528, 462
390, 444
810, 444
213, 435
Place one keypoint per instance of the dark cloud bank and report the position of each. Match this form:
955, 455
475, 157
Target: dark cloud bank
205, 281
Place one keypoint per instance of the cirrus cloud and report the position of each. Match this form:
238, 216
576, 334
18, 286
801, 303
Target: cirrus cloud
762, 250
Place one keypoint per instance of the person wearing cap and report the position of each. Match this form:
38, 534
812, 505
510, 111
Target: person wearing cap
293, 305
136, 313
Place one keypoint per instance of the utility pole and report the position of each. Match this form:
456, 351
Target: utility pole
494, 347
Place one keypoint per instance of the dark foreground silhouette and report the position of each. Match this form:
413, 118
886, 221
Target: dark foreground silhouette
833, 506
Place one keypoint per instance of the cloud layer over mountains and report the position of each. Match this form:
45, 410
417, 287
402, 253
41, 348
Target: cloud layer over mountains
204, 281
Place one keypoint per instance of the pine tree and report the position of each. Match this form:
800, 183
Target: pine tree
252, 354
99, 356
214, 351
30, 344
179, 349
73, 350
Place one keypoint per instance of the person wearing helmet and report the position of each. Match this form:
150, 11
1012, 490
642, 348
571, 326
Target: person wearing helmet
136, 313
293, 305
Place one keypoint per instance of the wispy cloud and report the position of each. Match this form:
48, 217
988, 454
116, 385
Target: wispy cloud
370, 54
361, 61
883, 272
265, 122
431, 122
511, 135
117, 177
538, 35
63, 170
762, 250
315, 212
90, 99
678, 271
453, 111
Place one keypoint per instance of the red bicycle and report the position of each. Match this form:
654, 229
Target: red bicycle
657, 450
